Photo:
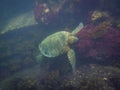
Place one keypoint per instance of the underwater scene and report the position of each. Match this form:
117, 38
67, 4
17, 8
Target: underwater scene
60, 45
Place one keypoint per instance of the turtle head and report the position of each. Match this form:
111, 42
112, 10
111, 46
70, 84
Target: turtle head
72, 39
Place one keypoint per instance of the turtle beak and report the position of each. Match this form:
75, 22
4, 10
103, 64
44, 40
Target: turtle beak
73, 39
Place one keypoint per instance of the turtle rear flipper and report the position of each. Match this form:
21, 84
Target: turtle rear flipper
72, 59
39, 58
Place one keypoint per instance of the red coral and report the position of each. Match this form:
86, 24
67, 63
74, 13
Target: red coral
59, 12
44, 14
107, 44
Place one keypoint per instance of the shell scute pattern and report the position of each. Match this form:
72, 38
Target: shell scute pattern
54, 44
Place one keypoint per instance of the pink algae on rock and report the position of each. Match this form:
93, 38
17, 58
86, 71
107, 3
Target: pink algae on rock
99, 41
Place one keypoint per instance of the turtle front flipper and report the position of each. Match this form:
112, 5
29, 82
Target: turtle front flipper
72, 59
77, 29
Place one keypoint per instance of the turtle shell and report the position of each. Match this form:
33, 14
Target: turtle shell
54, 44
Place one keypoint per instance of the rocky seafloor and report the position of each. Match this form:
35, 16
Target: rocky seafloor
20, 71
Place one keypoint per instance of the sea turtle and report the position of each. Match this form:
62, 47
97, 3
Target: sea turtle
58, 43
